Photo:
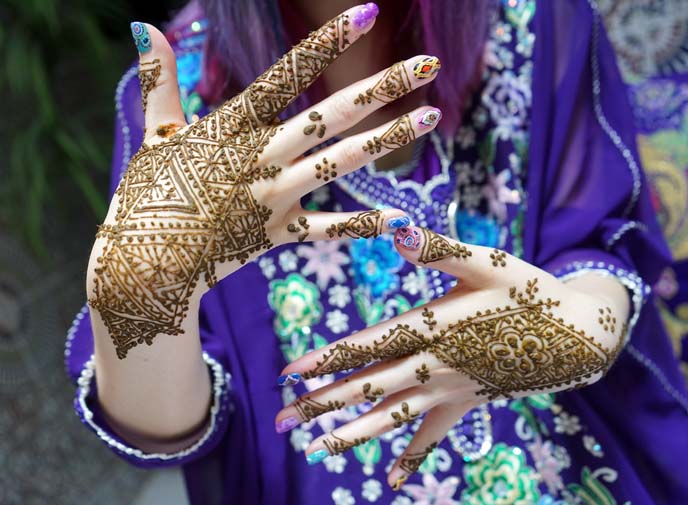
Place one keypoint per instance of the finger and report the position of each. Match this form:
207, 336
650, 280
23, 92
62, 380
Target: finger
275, 89
394, 412
436, 424
162, 108
352, 104
311, 226
358, 150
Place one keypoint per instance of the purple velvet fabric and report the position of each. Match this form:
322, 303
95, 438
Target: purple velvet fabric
578, 187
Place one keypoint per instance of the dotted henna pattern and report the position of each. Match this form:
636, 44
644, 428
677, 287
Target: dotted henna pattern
436, 247
423, 373
337, 445
398, 135
310, 409
370, 394
301, 228
365, 224
405, 416
393, 84
187, 204
149, 72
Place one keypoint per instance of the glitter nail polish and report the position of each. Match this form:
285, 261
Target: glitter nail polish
141, 37
408, 238
286, 424
317, 457
365, 15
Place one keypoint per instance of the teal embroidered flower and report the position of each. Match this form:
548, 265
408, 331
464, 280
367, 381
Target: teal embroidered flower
296, 303
375, 264
474, 228
502, 477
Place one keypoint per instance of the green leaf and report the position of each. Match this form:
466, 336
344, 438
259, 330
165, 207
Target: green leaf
319, 341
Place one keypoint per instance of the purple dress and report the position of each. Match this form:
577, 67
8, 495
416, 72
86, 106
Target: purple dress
545, 167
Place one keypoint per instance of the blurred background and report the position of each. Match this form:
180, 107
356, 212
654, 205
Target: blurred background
59, 65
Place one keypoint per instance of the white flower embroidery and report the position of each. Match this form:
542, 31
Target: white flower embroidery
412, 283
593, 446
325, 260
508, 98
320, 195
568, 424
339, 295
267, 265
498, 194
466, 136
371, 490
300, 439
402, 500
288, 260
288, 395
337, 321
341, 496
335, 464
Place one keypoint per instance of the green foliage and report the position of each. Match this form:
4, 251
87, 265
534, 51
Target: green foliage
57, 78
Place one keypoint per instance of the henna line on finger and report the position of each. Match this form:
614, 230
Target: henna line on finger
397, 135
310, 409
436, 247
365, 224
337, 445
411, 462
393, 84
149, 72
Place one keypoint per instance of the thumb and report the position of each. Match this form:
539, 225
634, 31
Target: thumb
162, 108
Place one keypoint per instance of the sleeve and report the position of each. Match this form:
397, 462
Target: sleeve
79, 359
588, 204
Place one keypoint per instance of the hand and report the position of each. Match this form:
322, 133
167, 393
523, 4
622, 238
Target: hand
198, 201
507, 330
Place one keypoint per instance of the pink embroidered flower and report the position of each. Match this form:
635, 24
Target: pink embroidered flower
498, 194
325, 260
547, 464
433, 492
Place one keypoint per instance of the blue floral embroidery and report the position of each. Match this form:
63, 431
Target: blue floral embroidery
475, 228
375, 264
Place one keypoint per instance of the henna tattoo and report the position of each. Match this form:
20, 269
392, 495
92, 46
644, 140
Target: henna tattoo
435, 248
399, 482
187, 203
398, 135
325, 171
297, 229
337, 445
167, 129
393, 84
365, 224
607, 320
370, 394
149, 72
427, 67
429, 318
315, 117
310, 409
498, 258
405, 417
411, 462
423, 374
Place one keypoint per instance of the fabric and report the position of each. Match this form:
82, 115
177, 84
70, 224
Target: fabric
543, 166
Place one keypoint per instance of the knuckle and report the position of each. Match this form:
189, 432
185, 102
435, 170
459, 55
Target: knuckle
342, 109
349, 156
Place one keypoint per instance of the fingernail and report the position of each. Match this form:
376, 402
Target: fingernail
141, 37
399, 482
408, 238
286, 424
394, 223
427, 67
289, 380
365, 15
429, 118
317, 457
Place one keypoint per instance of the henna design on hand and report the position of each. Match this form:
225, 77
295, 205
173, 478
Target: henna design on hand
498, 258
436, 247
429, 320
423, 374
393, 84
337, 445
187, 203
149, 72
411, 462
370, 394
607, 320
405, 417
398, 135
310, 409
366, 224
168, 129
315, 117
325, 171
297, 229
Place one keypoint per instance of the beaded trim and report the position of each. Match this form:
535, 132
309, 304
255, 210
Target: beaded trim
71, 333
631, 225
221, 382
639, 290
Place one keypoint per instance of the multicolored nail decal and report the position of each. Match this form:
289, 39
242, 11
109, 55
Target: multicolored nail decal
317, 457
427, 67
365, 15
289, 380
429, 118
408, 238
286, 424
141, 37
395, 223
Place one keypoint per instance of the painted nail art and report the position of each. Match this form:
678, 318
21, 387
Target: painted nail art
429, 118
286, 424
408, 238
365, 15
141, 37
289, 379
399, 482
398, 222
427, 67
317, 457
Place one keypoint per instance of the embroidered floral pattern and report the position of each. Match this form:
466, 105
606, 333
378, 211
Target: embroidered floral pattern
296, 303
375, 264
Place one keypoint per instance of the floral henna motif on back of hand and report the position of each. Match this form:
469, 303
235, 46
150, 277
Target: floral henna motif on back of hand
187, 203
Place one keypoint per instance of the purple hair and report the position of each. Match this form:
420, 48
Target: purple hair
247, 36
